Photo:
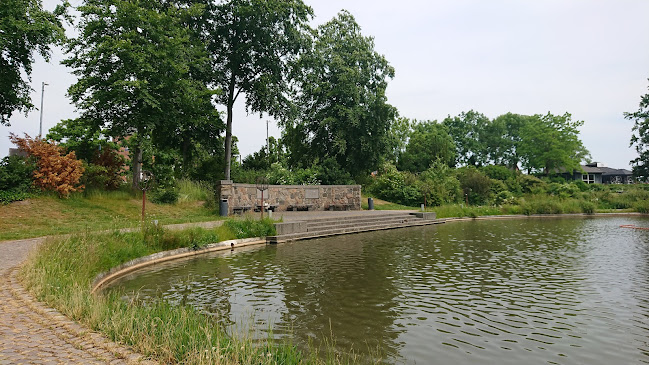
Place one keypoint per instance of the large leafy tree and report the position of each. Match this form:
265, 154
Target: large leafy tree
429, 142
640, 138
503, 137
551, 142
25, 29
344, 112
253, 45
139, 66
468, 131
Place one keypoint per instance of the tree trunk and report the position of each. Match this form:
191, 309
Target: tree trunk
228, 130
137, 166
186, 157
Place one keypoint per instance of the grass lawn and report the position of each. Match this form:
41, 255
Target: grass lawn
49, 215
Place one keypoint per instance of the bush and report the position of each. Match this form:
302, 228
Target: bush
396, 187
329, 172
55, 171
251, 228
531, 184
498, 172
582, 186
439, 185
475, 185
9, 196
642, 207
167, 195
588, 207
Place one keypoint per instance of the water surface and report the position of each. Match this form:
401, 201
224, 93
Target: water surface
564, 291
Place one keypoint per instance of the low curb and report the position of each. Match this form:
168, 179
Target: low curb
115, 273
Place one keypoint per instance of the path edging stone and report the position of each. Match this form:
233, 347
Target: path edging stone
113, 274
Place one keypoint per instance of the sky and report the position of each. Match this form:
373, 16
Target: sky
589, 58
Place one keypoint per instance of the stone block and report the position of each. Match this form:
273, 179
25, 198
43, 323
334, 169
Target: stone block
290, 227
426, 215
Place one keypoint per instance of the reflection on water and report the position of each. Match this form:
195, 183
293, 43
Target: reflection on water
559, 291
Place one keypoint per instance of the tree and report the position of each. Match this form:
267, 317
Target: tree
468, 131
429, 142
399, 134
25, 28
503, 138
550, 143
253, 45
140, 69
343, 109
640, 138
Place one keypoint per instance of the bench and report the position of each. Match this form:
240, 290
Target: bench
241, 209
299, 207
271, 207
342, 206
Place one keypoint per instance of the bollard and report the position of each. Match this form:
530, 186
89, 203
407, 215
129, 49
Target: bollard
422, 208
223, 208
270, 214
370, 203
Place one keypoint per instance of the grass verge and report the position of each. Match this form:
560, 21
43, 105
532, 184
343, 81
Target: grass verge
60, 273
93, 210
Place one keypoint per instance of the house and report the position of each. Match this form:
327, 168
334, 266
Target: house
597, 173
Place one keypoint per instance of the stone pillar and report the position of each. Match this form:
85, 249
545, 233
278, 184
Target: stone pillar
224, 191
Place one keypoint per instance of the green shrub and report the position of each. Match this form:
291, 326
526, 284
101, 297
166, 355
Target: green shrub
165, 195
439, 185
16, 173
498, 172
642, 207
251, 227
582, 186
587, 207
9, 196
531, 184
474, 184
396, 187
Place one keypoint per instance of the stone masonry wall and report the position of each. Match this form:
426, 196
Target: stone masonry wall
292, 197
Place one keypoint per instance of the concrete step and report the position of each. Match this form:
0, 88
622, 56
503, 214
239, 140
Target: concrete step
340, 223
347, 230
360, 217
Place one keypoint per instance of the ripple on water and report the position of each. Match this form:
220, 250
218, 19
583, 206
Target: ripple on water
559, 291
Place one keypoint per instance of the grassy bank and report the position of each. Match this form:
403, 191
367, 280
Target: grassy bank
61, 273
49, 215
602, 199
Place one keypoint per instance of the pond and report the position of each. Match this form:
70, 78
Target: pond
549, 290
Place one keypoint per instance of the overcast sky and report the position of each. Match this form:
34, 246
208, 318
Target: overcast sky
589, 58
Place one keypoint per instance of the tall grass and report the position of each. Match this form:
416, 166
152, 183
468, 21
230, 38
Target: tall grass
192, 191
60, 273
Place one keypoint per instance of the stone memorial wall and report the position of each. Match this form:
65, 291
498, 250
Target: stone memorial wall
246, 197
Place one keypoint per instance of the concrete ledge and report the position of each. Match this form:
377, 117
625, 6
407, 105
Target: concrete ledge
425, 215
290, 227
113, 274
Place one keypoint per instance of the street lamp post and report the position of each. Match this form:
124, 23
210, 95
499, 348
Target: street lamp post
40, 128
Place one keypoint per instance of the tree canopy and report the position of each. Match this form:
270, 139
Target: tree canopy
469, 131
640, 138
25, 29
139, 68
551, 142
254, 45
429, 142
343, 109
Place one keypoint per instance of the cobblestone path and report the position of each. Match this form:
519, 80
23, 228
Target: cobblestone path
32, 333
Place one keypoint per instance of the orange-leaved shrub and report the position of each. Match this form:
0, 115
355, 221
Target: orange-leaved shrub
55, 170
